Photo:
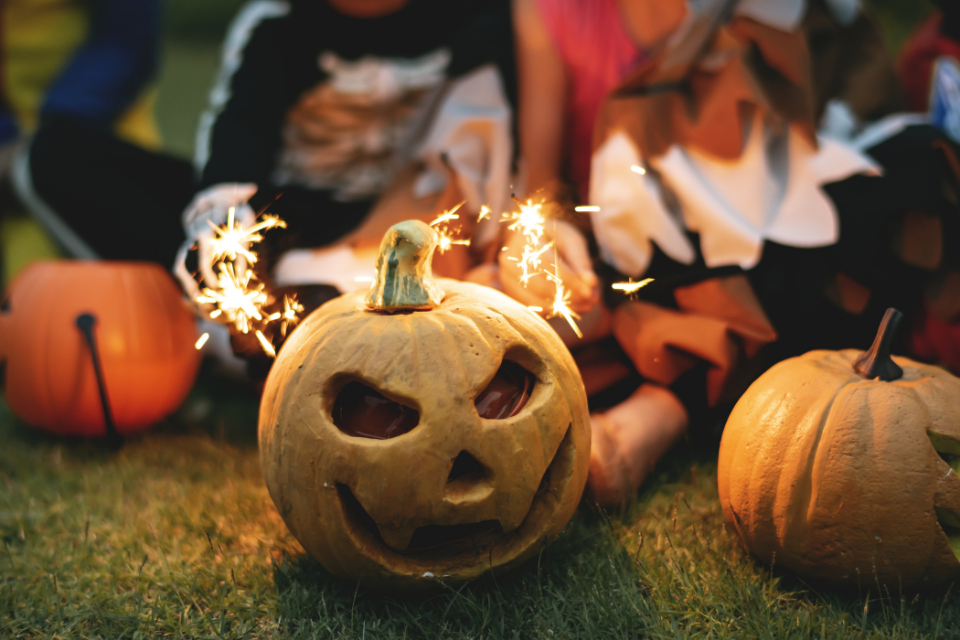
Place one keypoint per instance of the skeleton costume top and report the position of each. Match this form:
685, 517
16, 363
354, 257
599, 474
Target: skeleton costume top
311, 100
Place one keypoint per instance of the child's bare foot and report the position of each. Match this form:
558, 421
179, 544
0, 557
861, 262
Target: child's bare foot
629, 439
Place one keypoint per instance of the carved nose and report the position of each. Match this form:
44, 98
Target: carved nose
468, 481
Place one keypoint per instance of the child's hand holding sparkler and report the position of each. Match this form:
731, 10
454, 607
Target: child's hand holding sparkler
204, 220
524, 267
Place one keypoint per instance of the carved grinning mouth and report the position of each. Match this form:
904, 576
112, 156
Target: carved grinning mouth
434, 542
948, 518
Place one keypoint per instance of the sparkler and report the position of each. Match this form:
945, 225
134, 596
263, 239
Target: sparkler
441, 225
289, 317
237, 297
630, 287
233, 239
531, 222
234, 297
561, 303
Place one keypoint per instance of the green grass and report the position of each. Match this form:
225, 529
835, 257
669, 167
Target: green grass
174, 535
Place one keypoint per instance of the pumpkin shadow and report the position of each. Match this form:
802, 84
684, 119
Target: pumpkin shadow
223, 408
308, 593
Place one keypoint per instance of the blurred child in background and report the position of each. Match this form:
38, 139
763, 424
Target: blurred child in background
730, 150
345, 116
77, 133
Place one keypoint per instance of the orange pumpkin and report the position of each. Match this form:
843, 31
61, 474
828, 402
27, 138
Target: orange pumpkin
432, 431
143, 333
844, 468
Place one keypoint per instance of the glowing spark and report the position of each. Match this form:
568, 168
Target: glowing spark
630, 286
446, 242
291, 307
233, 239
445, 239
637, 169
530, 221
536, 309
235, 298
561, 303
267, 347
484, 213
587, 208
530, 261
236, 295
202, 341
447, 216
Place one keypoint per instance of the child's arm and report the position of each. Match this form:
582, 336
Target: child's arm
542, 96
240, 132
542, 91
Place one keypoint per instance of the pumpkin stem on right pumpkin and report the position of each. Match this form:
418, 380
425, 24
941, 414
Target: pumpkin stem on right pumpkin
876, 362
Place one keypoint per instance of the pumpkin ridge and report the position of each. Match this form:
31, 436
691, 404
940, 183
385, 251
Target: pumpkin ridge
50, 407
131, 330
803, 502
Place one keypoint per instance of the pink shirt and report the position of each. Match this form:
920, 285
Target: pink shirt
597, 55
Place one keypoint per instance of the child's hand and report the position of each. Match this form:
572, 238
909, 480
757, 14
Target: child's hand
209, 209
569, 253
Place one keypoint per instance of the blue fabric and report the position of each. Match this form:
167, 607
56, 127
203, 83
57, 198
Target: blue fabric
8, 127
113, 65
945, 98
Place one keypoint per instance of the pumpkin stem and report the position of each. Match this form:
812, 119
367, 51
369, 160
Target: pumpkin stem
404, 269
876, 362
86, 322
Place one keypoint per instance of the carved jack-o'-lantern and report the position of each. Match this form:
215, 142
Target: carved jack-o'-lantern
61, 321
423, 434
838, 465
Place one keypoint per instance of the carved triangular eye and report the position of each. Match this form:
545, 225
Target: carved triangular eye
506, 394
365, 413
5, 305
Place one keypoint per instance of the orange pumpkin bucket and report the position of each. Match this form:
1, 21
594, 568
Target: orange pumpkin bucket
61, 320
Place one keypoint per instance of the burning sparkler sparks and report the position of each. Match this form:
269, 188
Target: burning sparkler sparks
531, 222
445, 238
233, 239
266, 344
237, 297
561, 303
630, 287
234, 297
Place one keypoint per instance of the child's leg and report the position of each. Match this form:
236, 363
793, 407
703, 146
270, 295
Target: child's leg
629, 439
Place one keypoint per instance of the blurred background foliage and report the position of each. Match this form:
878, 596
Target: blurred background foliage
199, 19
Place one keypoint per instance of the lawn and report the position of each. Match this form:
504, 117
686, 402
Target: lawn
174, 534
